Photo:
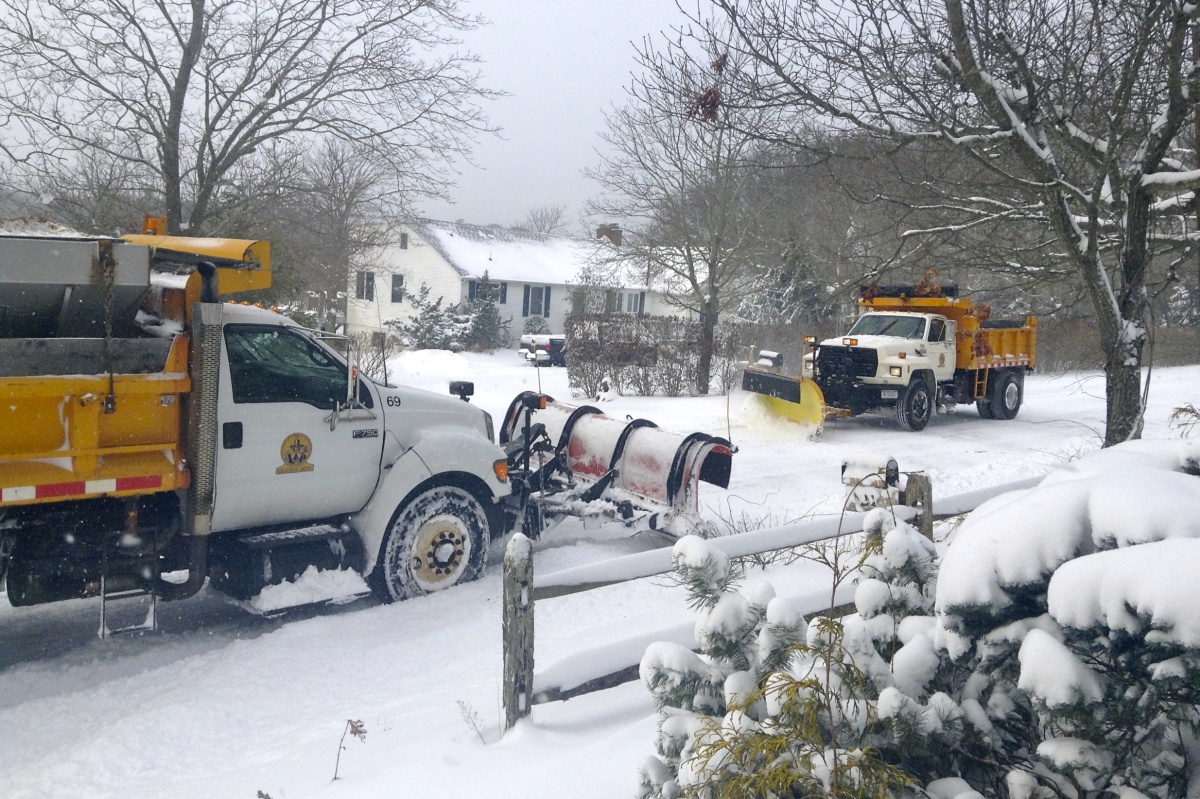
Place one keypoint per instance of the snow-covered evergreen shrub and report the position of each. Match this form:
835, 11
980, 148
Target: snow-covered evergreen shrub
1070, 608
741, 637
486, 331
772, 705
536, 326
1053, 653
433, 327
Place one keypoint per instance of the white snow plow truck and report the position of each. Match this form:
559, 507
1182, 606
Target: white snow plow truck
154, 435
914, 349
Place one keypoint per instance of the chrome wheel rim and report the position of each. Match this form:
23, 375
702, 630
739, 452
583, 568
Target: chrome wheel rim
1011, 394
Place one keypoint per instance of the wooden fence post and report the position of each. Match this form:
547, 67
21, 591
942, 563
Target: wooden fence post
919, 493
518, 629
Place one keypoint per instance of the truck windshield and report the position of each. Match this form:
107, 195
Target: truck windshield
875, 324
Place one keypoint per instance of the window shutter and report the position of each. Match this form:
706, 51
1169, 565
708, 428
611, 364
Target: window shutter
546, 294
525, 303
642, 303
504, 294
472, 289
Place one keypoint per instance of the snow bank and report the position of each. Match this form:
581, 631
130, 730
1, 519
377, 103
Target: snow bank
36, 226
314, 585
432, 370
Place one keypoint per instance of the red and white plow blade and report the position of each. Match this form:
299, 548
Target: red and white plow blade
631, 465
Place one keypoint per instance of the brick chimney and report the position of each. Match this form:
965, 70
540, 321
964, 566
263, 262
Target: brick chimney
610, 232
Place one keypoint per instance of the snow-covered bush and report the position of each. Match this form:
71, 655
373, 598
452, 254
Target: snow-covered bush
1075, 610
433, 327
536, 326
1053, 652
773, 705
486, 331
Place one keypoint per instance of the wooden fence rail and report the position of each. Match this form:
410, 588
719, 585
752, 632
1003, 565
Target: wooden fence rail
610, 666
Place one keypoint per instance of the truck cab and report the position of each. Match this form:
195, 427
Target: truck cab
308, 448
872, 364
303, 439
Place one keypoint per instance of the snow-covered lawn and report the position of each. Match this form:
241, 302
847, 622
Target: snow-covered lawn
221, 703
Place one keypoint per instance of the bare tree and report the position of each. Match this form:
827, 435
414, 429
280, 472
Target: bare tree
325, 218
1080, 111
545, 219
182, 93
677, 177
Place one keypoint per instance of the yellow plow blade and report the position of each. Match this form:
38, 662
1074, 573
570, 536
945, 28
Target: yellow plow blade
796, 399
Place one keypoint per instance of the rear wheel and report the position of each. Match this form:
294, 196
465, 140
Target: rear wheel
1007, 396
438, 539
914, 407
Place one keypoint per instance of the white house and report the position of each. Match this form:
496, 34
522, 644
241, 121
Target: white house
537, 275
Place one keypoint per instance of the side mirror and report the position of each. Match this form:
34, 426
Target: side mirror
462, 389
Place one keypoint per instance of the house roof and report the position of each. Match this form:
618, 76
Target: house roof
507, 254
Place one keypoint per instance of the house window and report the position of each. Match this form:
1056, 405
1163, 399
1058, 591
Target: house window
536, 301
397, 288
625, 302
473, 291
404, 241
364, 286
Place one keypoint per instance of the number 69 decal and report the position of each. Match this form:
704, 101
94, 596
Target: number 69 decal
393, 402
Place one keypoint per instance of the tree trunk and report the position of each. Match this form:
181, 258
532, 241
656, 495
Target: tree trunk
1123, 391
708, 323
172, 170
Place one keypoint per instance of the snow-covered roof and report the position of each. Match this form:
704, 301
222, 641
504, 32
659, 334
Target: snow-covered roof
508, 254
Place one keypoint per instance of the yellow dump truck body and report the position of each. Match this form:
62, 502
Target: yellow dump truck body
83, 416
57, 442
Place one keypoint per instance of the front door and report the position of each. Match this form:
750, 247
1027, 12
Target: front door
942, 349
277, 458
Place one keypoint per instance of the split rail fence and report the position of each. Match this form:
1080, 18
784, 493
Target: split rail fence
610, 666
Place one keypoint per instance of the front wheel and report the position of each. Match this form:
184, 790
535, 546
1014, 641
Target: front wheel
437, 539
914, 407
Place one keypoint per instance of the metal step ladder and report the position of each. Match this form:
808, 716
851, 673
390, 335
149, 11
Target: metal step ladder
981, 383
148, 561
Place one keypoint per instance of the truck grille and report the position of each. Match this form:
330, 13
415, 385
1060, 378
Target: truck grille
847, 362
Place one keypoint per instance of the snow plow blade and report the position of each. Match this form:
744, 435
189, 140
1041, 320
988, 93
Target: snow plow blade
567, 460
796, 399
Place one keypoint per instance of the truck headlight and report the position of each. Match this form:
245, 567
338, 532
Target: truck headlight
895, 371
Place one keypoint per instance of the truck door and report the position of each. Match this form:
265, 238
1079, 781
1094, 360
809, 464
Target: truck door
277, 458
942, 352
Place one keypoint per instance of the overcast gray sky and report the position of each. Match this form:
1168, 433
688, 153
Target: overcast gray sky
563, 63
